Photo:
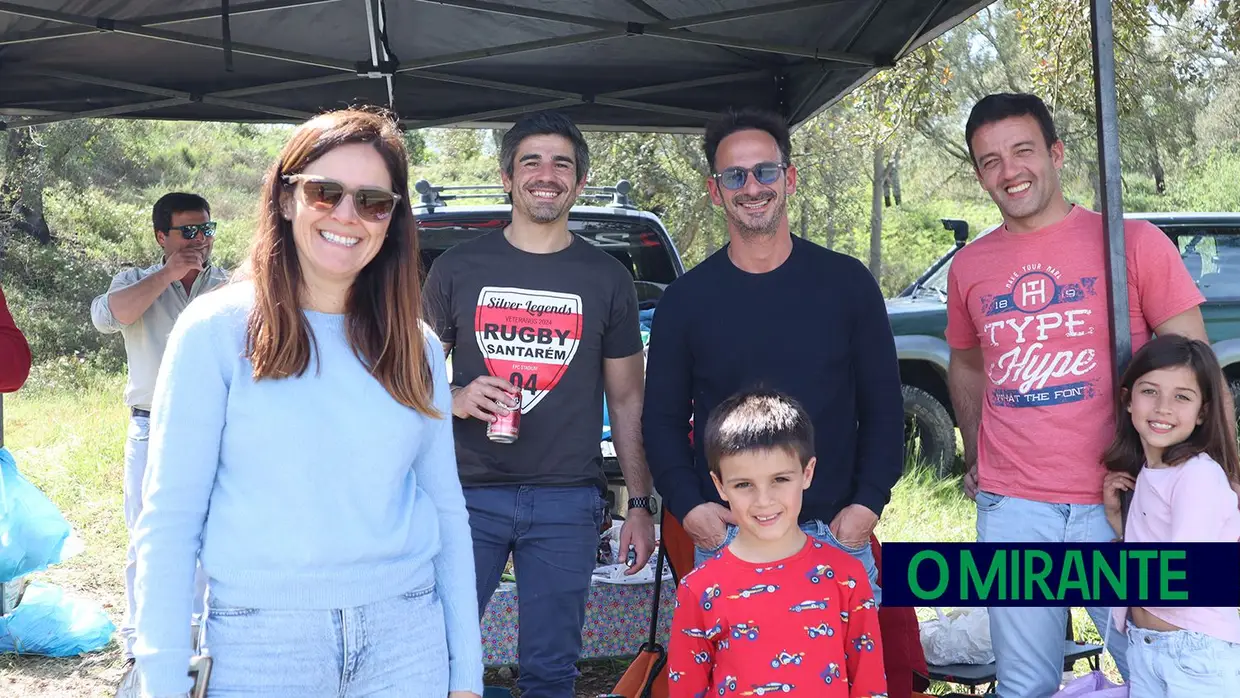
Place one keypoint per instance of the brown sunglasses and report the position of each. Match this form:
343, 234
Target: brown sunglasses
374, 204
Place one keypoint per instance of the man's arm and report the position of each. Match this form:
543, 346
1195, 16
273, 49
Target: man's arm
127, 305
667, 410
15, 356
880, 402
624, 381
966, 370
126, 302
1188, 323
966, 381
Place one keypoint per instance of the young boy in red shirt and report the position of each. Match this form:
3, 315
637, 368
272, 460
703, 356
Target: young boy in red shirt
775, 611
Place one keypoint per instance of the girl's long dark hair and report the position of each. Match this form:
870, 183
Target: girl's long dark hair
1215, 436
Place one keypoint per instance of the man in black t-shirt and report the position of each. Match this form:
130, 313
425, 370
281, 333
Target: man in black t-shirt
537, 311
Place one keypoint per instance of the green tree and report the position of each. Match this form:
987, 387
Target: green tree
884, 114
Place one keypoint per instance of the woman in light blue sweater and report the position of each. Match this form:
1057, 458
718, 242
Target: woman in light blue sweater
301, 439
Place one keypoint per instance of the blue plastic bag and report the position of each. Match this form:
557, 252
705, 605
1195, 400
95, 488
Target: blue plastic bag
49, 623
32, 530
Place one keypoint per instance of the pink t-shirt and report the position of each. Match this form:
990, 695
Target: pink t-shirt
1187, 503
1037, 304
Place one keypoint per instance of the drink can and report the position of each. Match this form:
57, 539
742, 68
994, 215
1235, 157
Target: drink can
506, 427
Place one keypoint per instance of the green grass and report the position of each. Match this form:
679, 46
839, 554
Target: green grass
70, 443
66, 430
926, 508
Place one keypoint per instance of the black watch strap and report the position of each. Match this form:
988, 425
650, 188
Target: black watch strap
646, 503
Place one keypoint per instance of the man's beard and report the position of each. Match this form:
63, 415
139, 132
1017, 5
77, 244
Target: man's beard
542, 211
748, 230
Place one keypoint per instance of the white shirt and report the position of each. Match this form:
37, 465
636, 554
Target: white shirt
146, 338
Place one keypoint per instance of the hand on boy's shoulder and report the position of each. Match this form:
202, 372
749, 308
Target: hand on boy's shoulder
839, 558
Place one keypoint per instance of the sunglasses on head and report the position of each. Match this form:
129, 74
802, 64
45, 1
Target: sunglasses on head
374, 204
733, 178
189, 231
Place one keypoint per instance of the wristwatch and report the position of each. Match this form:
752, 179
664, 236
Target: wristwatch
646, 503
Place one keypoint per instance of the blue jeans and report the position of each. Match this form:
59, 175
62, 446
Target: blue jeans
1181, 663
819, 530
553, 536
1029, 642
396, 648
136, 442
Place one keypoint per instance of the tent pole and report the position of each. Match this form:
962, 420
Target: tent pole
1106, 109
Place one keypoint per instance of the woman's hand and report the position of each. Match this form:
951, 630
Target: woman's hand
1112, 485
463, 694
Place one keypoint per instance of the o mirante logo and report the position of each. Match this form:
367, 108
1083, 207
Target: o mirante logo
1061, 574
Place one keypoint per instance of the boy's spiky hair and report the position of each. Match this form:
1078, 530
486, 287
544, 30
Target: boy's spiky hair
758, 420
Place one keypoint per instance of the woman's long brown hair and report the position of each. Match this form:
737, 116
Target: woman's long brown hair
383, 310
1215, 436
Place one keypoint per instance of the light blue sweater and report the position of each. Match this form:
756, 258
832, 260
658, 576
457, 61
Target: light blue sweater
313, 492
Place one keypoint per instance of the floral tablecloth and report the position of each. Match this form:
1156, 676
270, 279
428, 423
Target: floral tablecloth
617, 621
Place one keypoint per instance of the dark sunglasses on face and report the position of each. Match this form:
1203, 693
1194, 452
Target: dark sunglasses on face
374, 204
733, 178
190, 231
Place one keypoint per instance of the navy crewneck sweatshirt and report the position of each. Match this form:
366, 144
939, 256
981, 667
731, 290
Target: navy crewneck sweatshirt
815, 328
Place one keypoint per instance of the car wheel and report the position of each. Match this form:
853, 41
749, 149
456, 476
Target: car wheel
929, 434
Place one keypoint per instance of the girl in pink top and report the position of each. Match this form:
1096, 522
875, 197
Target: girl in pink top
1177, 454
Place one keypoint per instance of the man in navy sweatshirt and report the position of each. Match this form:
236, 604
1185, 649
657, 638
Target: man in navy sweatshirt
776, 311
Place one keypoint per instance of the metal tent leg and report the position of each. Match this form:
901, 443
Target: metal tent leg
1109, 178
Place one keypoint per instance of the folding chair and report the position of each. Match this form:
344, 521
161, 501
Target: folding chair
646, 677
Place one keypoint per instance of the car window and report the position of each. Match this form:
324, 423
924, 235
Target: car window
936, 283
1212, 256
635, 242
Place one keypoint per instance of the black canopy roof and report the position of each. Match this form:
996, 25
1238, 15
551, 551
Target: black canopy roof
664, 65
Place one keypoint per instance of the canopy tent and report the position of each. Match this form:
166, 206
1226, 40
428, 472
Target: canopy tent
657, 65
662, 65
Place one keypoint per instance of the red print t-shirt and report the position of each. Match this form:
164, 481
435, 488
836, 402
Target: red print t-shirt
805, 626
1037, 305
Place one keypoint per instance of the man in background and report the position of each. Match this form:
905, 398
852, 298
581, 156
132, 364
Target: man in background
143, 304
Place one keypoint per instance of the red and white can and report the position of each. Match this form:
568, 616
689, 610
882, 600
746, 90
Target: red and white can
506, 427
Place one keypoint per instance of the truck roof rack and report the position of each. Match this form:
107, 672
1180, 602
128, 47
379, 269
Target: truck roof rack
437, 196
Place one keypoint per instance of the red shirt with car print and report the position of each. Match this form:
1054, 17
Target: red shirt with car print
806, 625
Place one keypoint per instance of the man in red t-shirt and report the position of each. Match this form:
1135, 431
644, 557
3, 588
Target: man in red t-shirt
774, 611
1032, 376
14, 351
